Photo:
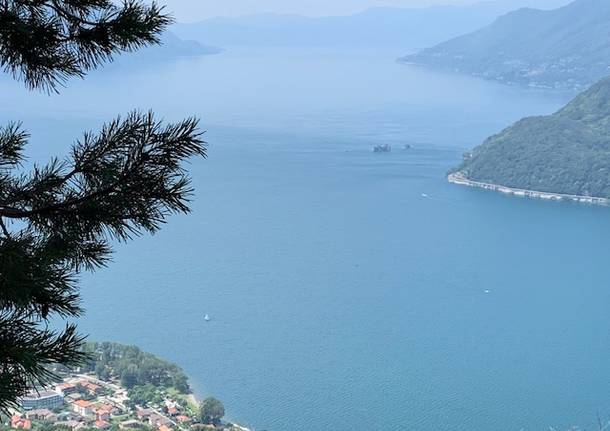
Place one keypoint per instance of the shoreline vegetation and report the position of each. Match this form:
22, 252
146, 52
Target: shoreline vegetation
459, 178
195, 402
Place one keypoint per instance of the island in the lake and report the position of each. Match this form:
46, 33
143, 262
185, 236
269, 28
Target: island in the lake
564, 156
120, 388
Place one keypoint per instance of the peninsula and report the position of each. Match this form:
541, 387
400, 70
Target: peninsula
564, 156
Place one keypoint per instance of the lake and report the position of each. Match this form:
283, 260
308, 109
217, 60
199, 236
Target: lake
346, 289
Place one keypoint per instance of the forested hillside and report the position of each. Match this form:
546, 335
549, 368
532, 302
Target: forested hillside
567, 152
565, 48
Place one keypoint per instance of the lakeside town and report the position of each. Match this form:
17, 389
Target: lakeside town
81, 400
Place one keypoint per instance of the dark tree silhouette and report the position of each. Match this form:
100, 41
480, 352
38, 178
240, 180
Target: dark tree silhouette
59, 219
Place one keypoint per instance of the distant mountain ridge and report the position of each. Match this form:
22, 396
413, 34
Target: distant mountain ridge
388, 27
173, 46
564, 48
567, 152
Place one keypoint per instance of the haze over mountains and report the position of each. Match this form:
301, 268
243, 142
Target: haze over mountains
172, 46
386, 27
565, 48
198, 10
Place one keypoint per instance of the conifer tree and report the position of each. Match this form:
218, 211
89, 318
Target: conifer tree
61, 218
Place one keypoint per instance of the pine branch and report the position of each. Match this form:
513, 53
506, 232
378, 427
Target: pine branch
59, 219
46, 42
27, 352
127, 178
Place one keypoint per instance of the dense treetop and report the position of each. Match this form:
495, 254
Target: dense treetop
133, 366
211, 411
567, 152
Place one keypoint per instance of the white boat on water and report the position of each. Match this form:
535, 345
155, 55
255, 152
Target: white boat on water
207, 318
423, 195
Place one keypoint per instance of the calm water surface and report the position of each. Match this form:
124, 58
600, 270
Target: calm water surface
350, 290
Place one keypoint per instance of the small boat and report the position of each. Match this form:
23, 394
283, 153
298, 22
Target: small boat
487, 291
207, 318
423, 195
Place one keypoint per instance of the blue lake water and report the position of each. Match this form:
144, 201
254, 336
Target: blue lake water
350, 290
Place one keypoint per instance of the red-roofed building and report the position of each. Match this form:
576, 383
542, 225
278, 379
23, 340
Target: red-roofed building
156, 420
143, 413
103, 412
102, 415
108, 407
17, 422
88, 386
82, 407
183, 419
101, 425
92, 388
66, 389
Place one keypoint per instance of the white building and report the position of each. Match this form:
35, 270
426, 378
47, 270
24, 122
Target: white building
42, 400
82, 407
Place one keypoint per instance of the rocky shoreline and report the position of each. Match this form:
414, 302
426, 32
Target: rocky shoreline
460, 179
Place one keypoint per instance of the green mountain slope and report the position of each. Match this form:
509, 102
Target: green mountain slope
567, 47
567, 152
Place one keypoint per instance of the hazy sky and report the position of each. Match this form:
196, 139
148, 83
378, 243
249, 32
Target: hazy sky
192, 10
